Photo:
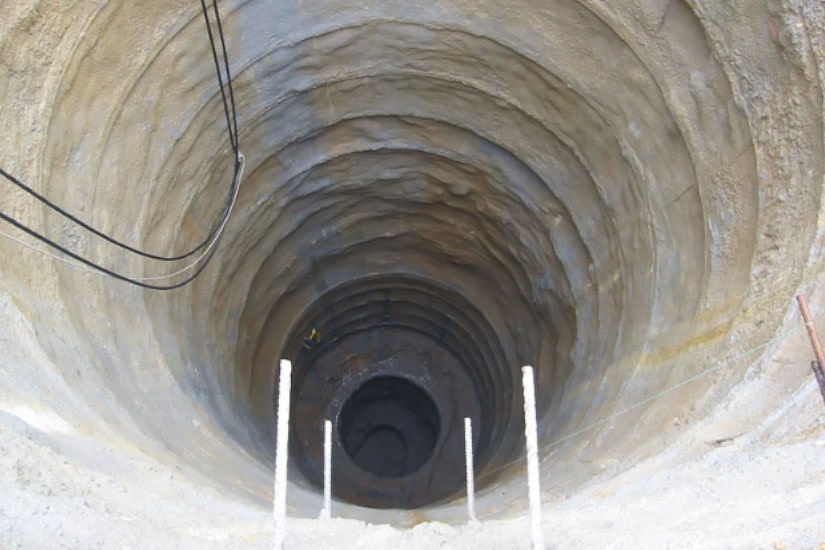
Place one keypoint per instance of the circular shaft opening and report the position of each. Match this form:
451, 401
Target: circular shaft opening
389, 427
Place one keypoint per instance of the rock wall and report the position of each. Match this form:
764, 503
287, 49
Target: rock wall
622, 194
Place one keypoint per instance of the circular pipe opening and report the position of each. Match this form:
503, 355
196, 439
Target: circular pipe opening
389, 427
396, 362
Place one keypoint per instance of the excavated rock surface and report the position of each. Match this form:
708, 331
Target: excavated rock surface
630, 193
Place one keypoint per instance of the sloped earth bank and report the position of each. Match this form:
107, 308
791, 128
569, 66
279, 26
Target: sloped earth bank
625, 195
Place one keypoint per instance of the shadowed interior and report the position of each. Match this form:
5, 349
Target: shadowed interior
389, 427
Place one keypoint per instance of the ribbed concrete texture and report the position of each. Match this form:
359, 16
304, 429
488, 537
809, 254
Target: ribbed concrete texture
625, 195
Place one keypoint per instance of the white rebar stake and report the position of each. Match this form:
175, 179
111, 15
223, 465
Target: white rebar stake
531, 435
326, 513
468, 456
279, 497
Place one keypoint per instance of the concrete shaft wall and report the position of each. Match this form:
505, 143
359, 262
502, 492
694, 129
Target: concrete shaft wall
628, 193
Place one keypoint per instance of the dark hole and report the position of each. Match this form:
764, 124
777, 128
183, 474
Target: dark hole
389, 427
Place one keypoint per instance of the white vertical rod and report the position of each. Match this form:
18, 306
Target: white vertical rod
326, 513
531, 435
468, 455
279, 497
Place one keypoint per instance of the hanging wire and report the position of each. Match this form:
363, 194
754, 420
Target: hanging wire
207, 247
97, 271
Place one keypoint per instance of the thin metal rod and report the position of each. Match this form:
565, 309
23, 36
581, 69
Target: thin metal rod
809, 325
326, 513
531, 436
816, 366
468, 457
282, 438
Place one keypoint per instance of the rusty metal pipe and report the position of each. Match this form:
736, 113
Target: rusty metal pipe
816, 366
809, 325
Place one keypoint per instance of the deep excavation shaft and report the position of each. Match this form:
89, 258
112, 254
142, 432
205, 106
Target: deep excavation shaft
624, 195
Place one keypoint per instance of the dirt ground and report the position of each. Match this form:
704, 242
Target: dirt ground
715, 487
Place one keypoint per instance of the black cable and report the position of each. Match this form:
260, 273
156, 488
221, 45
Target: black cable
228, 73
102, 269
214, 235
232, 133
232, 129
102, 235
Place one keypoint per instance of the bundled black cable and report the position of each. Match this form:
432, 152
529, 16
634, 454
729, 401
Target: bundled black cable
206, 247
